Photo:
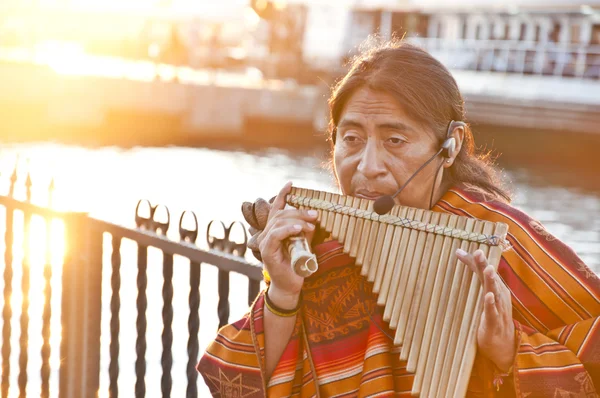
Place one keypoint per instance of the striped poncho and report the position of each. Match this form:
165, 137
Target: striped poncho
340, 348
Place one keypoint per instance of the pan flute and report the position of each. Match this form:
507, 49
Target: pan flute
431, 301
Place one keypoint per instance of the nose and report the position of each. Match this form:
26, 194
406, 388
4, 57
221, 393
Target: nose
371, 163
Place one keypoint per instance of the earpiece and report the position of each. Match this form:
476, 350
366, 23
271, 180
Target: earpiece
448, 147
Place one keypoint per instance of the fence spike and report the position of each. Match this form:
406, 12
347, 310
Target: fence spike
142, 222
189, 235
239, 249
156, 225
13, 179
212, 241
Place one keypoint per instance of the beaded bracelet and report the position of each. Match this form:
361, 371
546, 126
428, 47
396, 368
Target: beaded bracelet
280, 311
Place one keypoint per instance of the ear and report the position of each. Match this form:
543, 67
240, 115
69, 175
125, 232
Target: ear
457, 131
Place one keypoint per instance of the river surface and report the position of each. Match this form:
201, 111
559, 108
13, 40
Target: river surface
108, 182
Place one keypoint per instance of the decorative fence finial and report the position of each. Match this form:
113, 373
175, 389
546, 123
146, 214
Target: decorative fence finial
28, 184
213, 242
144, 222
163, 227
226, 244
13, 179
188, 235
221, 241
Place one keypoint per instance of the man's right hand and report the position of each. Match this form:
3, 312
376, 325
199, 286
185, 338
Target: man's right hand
282, 224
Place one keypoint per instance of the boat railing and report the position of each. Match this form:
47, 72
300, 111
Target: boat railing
514, 56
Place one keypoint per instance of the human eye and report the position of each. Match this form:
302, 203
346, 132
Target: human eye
396, 141
351, 138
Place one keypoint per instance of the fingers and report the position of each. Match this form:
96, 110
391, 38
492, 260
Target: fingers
253, 245
274, 238
261, 211
287, 217
253, 242
468, 260
257, 213
274, 223
305, 218
494, 293
476, 262
490, 290
291, 214
279, 202
304, 221
492, 284
491, 312
480, 263
249, 214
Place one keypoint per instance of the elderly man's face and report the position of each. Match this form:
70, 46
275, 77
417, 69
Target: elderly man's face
378, 148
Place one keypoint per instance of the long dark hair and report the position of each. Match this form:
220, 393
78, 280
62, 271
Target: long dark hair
429, 94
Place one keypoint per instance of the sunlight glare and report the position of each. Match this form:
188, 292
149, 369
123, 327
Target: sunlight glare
58, 244
280, 4
63, 57
251, 18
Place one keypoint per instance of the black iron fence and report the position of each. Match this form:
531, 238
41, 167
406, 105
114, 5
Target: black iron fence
81, 294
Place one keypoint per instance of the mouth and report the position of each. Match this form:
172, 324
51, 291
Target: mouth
370, 195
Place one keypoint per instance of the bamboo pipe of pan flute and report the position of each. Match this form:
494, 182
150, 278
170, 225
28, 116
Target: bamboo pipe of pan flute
302, 259
304, 262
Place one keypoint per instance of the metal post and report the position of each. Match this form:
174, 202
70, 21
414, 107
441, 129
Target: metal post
24, 337
115, 325
167, 316
46, 348
223, 304
193, 328
7, 307
81, 309
8, 278
47, 314
253, 290
187, 235
141, 322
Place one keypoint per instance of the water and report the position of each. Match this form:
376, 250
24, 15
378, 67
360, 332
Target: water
108, 182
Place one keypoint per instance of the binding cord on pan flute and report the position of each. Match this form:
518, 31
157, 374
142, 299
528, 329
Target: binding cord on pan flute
336, 207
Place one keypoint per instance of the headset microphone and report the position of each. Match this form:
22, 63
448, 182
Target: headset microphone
385, 203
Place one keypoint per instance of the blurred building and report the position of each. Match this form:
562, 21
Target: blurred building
173, 32
530, 65
532, 37
441, 4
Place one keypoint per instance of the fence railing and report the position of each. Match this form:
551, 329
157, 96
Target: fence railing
81, 294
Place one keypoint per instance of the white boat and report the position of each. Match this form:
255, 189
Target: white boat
532, 64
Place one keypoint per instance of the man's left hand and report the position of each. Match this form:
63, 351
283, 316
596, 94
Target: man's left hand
496, 332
